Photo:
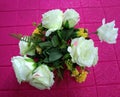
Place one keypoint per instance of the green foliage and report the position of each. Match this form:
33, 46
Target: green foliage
55, 41
52, 55
55, 55
46, 44
66, 25
67, 34
69, 64
29, 60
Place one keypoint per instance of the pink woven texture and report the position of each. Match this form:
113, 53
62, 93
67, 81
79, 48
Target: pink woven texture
18, 16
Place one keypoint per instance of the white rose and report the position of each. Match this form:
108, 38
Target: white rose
107, 32
42, 78
23, 66
72, 17
26, 48
52, 20
83, 52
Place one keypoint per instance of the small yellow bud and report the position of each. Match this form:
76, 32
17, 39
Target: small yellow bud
38, 49
82, 77
75, 73
82, 33
36, 31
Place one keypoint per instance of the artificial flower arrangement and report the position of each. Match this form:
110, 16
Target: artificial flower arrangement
55, 46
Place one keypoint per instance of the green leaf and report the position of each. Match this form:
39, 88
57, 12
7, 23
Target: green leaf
45, 51
59, 34
69, 64
29, 60
45, 44
67, 34
54, 55
55, 41
58, 64
46, 60
66, 25
66, 56
70, 33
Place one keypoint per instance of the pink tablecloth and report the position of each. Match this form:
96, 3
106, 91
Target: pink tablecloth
18, 16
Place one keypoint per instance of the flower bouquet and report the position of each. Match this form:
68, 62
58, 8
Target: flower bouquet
55, 46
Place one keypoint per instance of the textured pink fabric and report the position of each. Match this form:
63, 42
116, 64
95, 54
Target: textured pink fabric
18, 16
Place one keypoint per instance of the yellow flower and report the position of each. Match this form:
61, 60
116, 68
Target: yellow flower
36, 31
82, 77
82, 32
75, 73
38, 49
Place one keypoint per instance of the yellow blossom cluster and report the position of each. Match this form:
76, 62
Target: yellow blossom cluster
80, 77
82, 33
36, 31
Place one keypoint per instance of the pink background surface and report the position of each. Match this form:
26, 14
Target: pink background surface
18, 16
